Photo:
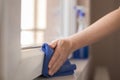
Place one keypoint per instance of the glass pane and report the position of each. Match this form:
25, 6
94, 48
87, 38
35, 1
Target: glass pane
27, 38
41, 19
27, 14
40, 37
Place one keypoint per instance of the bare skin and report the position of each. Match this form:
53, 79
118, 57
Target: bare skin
105, 26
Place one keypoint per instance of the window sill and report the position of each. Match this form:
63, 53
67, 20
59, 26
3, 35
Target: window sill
81, 66
31, 64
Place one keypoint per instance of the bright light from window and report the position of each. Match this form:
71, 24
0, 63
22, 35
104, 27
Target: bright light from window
33, 22
41, 20
27, 14
27, 38
39, 35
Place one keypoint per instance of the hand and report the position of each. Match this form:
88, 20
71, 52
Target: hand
63, 48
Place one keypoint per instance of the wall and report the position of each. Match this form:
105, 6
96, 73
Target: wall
60, 19
53, 20
9, 38
1, 59
106, 52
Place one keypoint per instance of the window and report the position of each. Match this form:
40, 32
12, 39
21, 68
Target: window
25, 64
33, 22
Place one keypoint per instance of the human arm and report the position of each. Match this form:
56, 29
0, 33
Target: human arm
105, 26
95, 32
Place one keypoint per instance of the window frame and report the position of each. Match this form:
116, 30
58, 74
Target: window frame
16, 65
35, 27
13, 62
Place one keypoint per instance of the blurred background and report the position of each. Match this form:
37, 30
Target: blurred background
47, 20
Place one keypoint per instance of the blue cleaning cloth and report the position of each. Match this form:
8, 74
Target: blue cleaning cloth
66, 69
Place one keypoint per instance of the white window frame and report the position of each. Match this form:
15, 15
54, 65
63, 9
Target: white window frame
36, 27
69, 17
14, 64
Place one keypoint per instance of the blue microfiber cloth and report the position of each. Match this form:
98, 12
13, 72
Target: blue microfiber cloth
66, 69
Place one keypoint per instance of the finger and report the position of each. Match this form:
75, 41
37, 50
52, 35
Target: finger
52, 69
55, 66
55, 56
53, 59
53, 44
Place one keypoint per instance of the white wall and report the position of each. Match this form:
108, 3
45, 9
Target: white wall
1, 59
54, 12
9, 38
61, 20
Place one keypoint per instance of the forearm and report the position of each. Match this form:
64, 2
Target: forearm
97, 31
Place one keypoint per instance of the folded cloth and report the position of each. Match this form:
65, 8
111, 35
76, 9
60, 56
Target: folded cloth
66, 69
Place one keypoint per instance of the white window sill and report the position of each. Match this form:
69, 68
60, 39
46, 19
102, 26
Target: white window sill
31, 64
81, 65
